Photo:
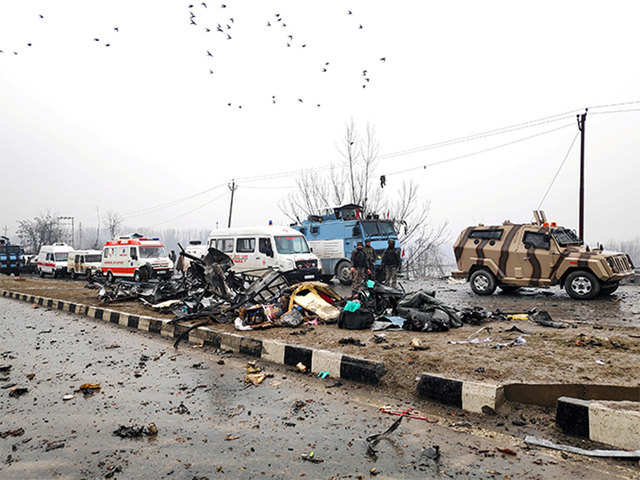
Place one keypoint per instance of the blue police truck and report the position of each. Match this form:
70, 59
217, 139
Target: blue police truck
10, 257
334, 235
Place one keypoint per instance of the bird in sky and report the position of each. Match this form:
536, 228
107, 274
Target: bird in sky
383, 59
192, 15
288, 44
318, 105
326, 63
219, 28
290, 37
324, 69
360, 27
191, 6
192, 22
349, 12
228, 37
223, 6
41, 16
209, 53
304, 45
228, 104
107, 44
273, 99
364, 73
207, 29
204, 4
231, 19
228, 26
210, 72
29, 44
300, 100
116, 29
268, 24
96, 39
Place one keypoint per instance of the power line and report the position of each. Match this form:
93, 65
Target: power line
544, 197
480, 135
190, 211
161, 206
484, 150
620, 104
616, 111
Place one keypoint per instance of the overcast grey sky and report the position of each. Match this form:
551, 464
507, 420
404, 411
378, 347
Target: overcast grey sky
143, 122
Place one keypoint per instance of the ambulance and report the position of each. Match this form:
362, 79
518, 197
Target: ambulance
124, 256
84, 262
258, 249
52, 259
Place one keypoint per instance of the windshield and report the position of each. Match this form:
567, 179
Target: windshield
92, 258
565, 237
292, 244
378, 228
61, 257
152, 252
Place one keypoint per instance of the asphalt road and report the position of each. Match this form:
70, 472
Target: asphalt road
210, 425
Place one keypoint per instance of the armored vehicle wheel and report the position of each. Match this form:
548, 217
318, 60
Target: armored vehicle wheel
483, 282
343, 272
110, 276
608, 289
582, 285
509, 288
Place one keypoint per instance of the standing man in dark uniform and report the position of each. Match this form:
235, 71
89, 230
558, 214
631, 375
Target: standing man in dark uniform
371, 254
391, 264
360, 266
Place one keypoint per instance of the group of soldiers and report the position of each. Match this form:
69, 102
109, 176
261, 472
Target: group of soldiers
363, 259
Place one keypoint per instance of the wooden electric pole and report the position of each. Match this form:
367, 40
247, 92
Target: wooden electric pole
582, 119
232, 187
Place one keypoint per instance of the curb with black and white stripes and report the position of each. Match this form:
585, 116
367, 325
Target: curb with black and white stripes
337, 364
613, 423
468, 395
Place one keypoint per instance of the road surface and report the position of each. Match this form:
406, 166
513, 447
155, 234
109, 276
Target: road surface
210, 425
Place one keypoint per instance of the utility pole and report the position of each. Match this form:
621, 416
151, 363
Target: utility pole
71, 220
582, 119
232, 186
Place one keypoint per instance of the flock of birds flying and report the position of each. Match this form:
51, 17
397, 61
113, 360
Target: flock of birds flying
224, 29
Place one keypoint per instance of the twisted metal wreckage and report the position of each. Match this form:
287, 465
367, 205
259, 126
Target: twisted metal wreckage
210, 289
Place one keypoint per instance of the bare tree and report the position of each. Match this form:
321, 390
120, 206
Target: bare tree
354, 179
113, 223
42, 230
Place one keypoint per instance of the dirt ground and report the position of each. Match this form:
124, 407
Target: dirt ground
601, 345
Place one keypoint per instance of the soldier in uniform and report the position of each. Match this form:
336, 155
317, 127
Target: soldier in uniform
371, 253
391, 265
360, 267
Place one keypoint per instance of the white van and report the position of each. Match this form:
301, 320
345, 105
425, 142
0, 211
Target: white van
124, 256
53, 259
84, 262
259, 248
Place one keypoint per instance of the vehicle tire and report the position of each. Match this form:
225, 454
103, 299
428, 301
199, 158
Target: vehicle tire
608, 289
110, 278
582, 285
55, 273
509, 288
40, 273
483, 282
136, 276
74, 275
343, 272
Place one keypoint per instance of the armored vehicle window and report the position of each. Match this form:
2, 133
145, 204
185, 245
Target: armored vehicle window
536, 240
246, 245
565, 237
486, 234
314, 230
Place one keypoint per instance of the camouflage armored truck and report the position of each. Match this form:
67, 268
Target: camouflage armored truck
537, 254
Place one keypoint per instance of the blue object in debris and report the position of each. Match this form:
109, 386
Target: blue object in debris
323, 375
371, 284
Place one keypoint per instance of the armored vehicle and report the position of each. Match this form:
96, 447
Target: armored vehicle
11, 259
538, 254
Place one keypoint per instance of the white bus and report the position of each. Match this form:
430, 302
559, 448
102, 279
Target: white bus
271, 247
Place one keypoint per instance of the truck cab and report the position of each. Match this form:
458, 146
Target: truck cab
11, 258
336, 233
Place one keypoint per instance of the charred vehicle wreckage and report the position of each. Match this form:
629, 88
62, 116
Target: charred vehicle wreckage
211, 291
